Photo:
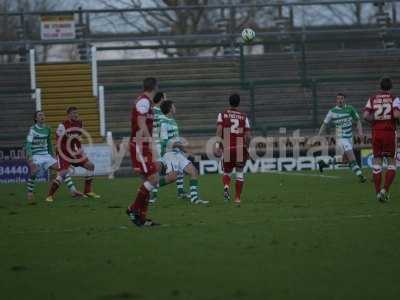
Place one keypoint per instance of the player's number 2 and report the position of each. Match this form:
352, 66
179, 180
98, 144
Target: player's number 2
235, 126
383, 111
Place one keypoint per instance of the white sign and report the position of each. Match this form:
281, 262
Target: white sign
101, 156
57, 27
264, 165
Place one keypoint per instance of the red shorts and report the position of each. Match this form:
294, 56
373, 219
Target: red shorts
142, 160
384, 143
234, 159
65, 162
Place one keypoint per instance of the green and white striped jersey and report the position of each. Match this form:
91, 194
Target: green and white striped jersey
169, 133
156, 123
342, 118
38, 141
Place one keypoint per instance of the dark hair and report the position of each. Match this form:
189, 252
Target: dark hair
341, 94
71, 108
166, 106
158, 97
35, 115
149, 84
234, 100
386, 84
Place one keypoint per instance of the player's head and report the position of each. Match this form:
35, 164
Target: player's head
340, 98
386, 84
72, 113
167, 107
234, 100
150, 85
38, 118
159, 97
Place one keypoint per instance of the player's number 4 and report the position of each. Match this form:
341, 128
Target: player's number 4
383, 111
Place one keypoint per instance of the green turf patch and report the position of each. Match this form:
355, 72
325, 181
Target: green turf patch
293, 237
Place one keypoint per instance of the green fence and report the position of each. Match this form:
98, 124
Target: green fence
321, 90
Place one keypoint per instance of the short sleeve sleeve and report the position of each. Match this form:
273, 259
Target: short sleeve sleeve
143, 106
396, 104
247, 124
219, 119
355, 114
60, 131
29, 137
368, 106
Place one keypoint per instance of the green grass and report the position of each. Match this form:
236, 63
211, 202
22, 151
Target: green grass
294, 237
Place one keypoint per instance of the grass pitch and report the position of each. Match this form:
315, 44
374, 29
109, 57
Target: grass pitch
294, 237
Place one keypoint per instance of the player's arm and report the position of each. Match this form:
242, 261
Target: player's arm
396, 108
356, 118
219, 131
247, 134
163, 136
60, 132
325, 123
368, 113
28, 145
49, 144
143, 107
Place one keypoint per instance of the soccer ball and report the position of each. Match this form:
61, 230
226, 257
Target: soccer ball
248, 35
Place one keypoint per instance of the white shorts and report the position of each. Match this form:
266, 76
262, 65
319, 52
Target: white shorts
175, 161
43, 161
345, 144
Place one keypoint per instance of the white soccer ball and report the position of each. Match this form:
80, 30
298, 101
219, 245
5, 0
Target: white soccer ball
248, 35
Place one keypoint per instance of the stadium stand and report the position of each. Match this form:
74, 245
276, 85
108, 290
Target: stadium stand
65, 85
16, 100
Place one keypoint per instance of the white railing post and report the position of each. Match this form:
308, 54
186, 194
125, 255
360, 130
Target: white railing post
38, 99
102, 112
110, 142
32, 68
94, 71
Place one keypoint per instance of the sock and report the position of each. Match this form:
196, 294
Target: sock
377, 174
193, 190
30, 185
239, 185
226, 179
389, 177
355, 168
54, 186
179, 183
154, 193
162, 181
88, 182
142, 200
70, 184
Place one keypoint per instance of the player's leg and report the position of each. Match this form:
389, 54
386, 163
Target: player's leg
30, 184
180, 185
88, 190
377, 165
347, 146
239, 183
226, 179
163, 180
191, 170
143, 164
353, 165
390, 150
137, 211
62, 167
